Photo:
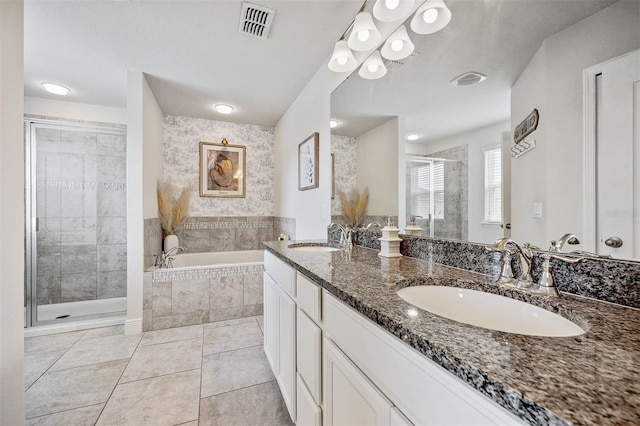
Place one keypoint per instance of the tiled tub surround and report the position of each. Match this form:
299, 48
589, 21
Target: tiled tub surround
214, 234
609, 280
81, 243
201, 294
589, 379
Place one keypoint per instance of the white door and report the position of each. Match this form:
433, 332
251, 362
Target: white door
350, 399
617, 150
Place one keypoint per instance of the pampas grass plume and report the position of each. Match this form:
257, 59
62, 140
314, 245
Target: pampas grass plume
172, 213
354, 207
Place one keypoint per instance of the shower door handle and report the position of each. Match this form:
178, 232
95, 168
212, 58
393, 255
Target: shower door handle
36, 224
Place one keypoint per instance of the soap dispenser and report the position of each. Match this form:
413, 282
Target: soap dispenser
413, 228
390, 242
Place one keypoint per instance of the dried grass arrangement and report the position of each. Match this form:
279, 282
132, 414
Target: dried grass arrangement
354, 207
171, 211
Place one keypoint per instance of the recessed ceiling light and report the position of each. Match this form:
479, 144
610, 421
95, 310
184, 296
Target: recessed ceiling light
56, 89
413, 137
333, 123
224, 109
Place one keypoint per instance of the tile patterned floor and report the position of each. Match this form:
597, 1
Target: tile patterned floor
198, 375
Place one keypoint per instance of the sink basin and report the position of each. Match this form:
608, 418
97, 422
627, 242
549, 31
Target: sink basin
313, 247
489, 311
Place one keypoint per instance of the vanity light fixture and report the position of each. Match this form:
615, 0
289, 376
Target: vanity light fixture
431, 17
413, 137
224, 109
391, 10
373, 67
342, 59
398, 45
333, 124
56, 89
364, 34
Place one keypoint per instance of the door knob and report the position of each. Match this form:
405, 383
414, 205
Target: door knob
614, 242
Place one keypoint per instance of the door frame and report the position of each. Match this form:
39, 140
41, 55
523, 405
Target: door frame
590, 161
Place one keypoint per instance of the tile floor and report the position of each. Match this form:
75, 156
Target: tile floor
207, 374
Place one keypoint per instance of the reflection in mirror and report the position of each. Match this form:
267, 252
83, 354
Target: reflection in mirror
534, 54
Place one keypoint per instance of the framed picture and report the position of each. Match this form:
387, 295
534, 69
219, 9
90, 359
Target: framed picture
308, 162
222, 170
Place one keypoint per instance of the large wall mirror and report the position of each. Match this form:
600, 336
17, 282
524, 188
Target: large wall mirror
459, 172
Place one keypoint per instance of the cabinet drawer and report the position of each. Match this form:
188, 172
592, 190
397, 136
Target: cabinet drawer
421, 389
308, 297
309, 353
309, 414
282, 273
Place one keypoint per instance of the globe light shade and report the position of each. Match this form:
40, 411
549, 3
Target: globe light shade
392, 10
364, 34
431, 17
398, 45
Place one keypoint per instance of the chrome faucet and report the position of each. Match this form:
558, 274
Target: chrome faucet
546, 284
509, 247
556, 246
346, 239
166, 261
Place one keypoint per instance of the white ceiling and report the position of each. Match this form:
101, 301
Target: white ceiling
495, 37
191, 51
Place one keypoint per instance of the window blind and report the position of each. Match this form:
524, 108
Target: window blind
493, 185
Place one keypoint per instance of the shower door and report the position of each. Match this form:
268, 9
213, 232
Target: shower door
76, 221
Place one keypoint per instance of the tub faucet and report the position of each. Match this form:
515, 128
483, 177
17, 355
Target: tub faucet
166, 261
346, 241
174, 250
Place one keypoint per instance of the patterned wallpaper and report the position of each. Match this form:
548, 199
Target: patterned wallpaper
345, 168
181, 139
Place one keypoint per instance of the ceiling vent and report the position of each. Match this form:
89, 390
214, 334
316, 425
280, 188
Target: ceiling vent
468, 79
256, 20
397, 64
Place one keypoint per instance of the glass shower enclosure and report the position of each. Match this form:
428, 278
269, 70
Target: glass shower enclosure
76, 221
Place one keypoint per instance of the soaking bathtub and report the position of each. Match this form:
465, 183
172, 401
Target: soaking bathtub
203, 288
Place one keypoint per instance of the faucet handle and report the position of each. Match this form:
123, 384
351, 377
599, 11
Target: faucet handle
546, 284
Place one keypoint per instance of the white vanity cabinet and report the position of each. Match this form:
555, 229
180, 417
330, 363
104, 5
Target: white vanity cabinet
280, 326
336, 367
422, 390
308, 352
350, 399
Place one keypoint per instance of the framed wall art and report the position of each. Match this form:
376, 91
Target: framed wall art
222, 170
308, 162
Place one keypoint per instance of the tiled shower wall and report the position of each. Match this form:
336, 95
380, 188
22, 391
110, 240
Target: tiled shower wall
81, 207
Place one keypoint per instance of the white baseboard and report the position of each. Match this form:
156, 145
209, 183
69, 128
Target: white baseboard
133, 326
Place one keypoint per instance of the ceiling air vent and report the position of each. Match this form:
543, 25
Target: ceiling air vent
397, 64
255, 20
468, 79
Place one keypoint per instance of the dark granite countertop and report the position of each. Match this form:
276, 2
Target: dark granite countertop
589, 379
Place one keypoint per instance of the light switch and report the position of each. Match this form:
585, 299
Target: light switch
536, 211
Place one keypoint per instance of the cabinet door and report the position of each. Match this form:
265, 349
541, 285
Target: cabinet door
308, 413
309, 353
349, 398
287, 351
271, 324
